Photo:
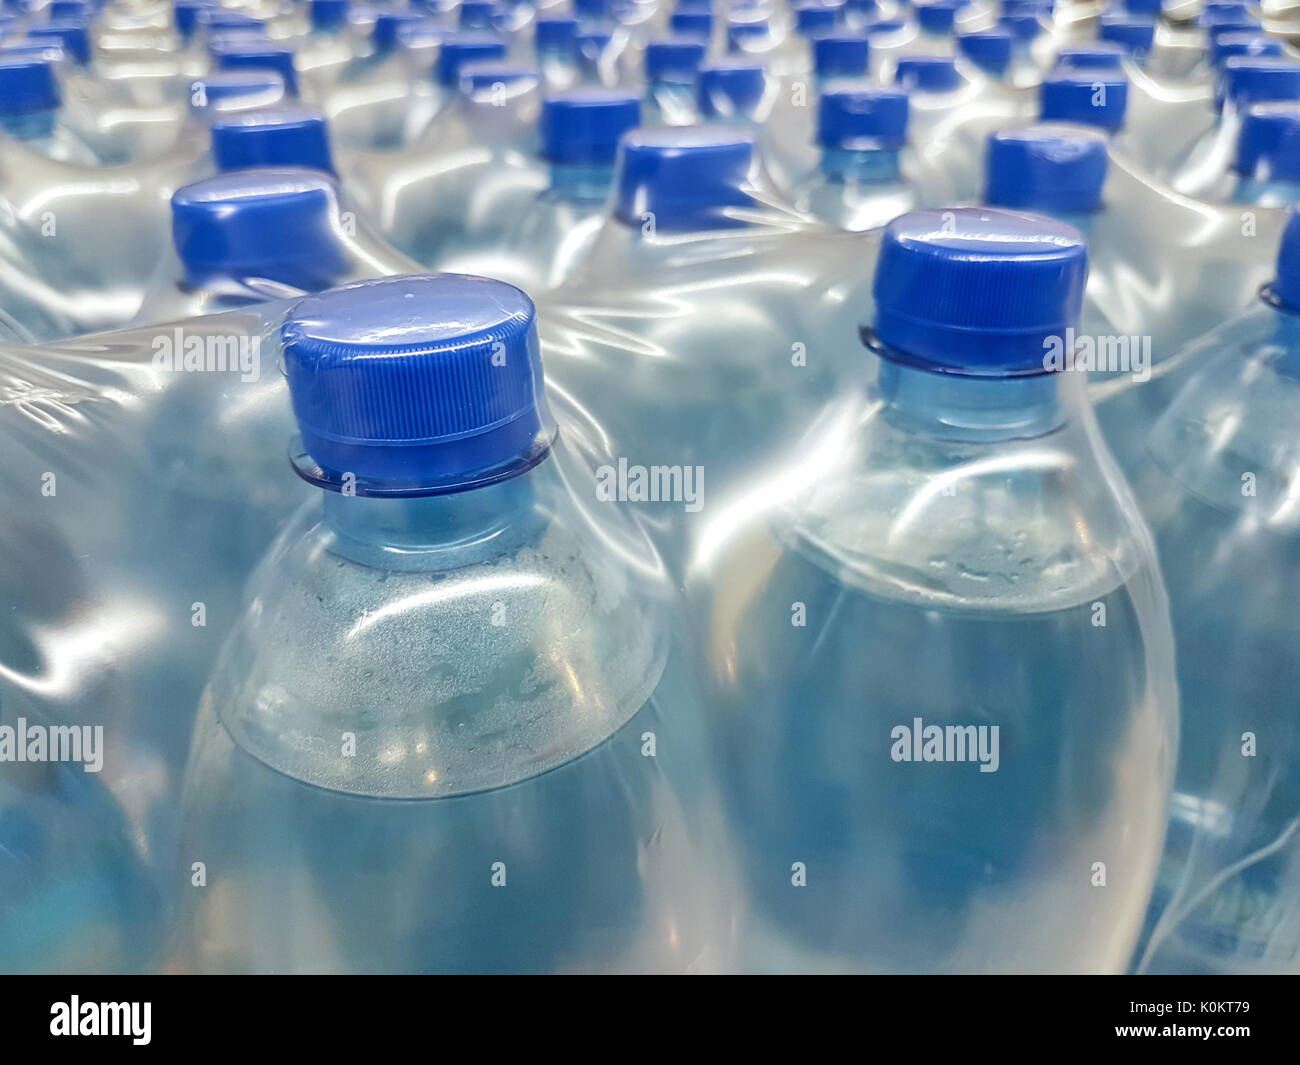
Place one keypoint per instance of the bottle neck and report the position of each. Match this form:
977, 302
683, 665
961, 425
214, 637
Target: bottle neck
428, 532
958, 407
1252, 192
581, 183
868, 165
29, 125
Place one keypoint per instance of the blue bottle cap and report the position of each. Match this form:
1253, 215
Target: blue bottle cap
977, 291
1286, 285
674, 59
593, 10
276, 225
258, 55
689, 178
582, 126
990, 50
841, 55
1143, 7
296, 137
1100, 55
1023, 27
746, 36
939, 16
329, 14
461, 48
73, 36
1253, 44
862, 118
387, 23
477, 14
1046, 168
1135, 35
728, 87
691, 23
694, 5
555, 33
927, 73
416, 385
1268, 146
481, 77
812, 16
226, 89
27, 83
61, 9
1090, 97
185, 14
1249, 79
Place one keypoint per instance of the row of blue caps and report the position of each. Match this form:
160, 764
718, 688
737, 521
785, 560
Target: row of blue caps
422, 384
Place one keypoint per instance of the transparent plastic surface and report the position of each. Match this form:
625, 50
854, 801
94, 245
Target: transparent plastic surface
495, 657
1219, 489
860, 190
946, 554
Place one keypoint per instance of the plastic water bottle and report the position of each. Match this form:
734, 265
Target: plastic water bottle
1134, 34
580, 131
487, 640
555, 49
953, 608
671, 67
840, 55
1266, 170
30, 110
1219, 489
860, 183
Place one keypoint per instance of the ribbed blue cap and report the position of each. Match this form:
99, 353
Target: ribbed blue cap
811, 17
729, 87
387, 23
1023, 27
1255, 44
1248, 79
462, 48
1136, 35
329, 14
977, 290
477, 14
417, 384
691, 23
73, 36
1268, 146
1101, 55
1090, 97
990, 50
27, 83
256, 55
939, 16
862, 117
583, 126
687, 177
841, 55
480, 77
1143, 7
259, 88
675, 59
740, 34
555, 33
185, 14
279, 225
1286, 284
927, 73
1046, 168
282, 138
